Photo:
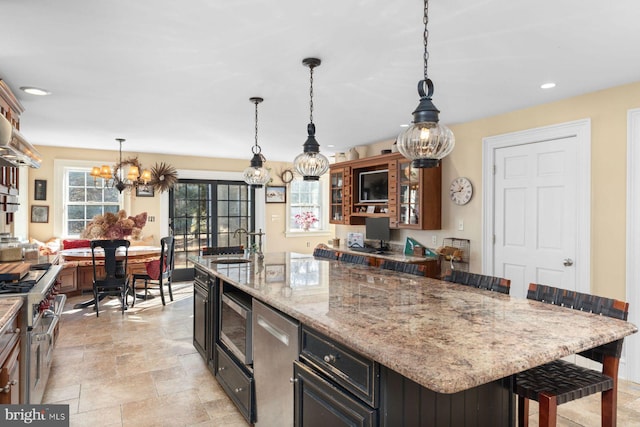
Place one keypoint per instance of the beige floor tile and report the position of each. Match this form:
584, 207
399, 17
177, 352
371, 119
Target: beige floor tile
103, 417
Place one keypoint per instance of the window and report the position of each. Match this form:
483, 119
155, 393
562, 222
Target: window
304, 197
83, 200
208, 213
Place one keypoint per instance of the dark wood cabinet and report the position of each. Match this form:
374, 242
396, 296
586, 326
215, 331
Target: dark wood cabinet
201, 309
236, 382
334, 385
320, 403
414, 196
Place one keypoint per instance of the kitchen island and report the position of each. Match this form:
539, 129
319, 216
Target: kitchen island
433, 341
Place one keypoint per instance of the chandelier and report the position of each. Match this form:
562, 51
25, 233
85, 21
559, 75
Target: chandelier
426, 141
311, 164
114, 178
256, 174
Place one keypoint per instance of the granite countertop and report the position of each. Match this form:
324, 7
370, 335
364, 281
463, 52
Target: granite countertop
444, 336
8, 308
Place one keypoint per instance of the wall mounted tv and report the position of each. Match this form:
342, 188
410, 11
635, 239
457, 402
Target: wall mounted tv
374, 186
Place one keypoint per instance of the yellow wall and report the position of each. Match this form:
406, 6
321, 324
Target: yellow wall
275, 238
607, 110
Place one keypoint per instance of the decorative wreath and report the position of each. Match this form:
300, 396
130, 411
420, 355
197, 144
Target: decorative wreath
163, 176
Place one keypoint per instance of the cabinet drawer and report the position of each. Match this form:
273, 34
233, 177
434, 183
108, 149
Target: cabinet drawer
237, 384
352, 371
318, 402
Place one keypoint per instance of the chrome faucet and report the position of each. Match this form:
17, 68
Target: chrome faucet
259, 234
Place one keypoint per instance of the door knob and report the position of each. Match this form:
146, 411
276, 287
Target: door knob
567, 262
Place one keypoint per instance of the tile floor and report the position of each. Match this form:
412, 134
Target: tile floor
141, 369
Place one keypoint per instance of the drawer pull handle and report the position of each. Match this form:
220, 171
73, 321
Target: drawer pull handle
7, 388
330, 358
238, 390
293, 380
221, 368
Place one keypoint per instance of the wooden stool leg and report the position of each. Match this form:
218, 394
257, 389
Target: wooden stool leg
609, 409
548, 410
523, 412
133, 291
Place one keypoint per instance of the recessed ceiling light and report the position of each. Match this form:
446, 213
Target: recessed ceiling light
405, 125
330, 145
547, 85
31, 90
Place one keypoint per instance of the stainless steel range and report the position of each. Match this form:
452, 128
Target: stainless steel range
41, 312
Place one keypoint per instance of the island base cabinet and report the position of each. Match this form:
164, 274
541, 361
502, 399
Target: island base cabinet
238, 385
319, 403
404, 402
201, 319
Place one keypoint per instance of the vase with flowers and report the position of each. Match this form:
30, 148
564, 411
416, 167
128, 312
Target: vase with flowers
305, 220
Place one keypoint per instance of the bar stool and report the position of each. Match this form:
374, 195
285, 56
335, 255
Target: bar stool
560, 381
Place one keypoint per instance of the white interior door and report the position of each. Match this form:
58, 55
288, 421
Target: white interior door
537, 207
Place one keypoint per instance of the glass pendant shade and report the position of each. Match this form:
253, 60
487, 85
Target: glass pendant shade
311, 165
425, 143
256, 175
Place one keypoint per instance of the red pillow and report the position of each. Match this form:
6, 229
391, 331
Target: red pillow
76, 243
153, 268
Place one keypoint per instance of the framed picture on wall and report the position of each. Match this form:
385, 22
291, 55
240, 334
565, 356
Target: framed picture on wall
276, 194
40, 189
39, 213
142, 191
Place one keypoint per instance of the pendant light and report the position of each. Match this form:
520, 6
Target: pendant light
256, 174
311, 164
426, 141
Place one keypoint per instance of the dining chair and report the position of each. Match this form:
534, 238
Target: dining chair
115, 281
404, 267
560, 381
480, 281
222, 250
158, 271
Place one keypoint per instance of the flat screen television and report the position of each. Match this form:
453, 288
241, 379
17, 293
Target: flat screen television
374, 186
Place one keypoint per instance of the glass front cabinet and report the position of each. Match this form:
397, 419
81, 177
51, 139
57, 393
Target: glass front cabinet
340, 195
419, 196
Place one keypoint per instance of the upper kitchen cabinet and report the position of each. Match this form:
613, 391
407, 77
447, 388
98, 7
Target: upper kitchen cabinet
340, 201
386, 186
419, 196
10, 107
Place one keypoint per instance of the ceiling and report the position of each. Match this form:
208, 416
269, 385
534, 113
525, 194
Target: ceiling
176, 77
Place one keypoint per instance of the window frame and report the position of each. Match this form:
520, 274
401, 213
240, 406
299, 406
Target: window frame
60, 193
292, 229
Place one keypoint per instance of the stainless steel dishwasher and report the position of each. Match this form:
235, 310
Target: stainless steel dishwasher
275, 347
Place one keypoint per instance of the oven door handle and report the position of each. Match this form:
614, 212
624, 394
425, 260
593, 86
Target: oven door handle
235, 306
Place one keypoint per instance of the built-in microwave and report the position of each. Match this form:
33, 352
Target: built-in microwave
235, 325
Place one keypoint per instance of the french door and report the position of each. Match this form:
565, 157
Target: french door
207, 213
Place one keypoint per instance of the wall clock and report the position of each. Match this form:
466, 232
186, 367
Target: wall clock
461, 191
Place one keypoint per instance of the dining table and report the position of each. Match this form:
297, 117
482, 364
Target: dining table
135, 254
